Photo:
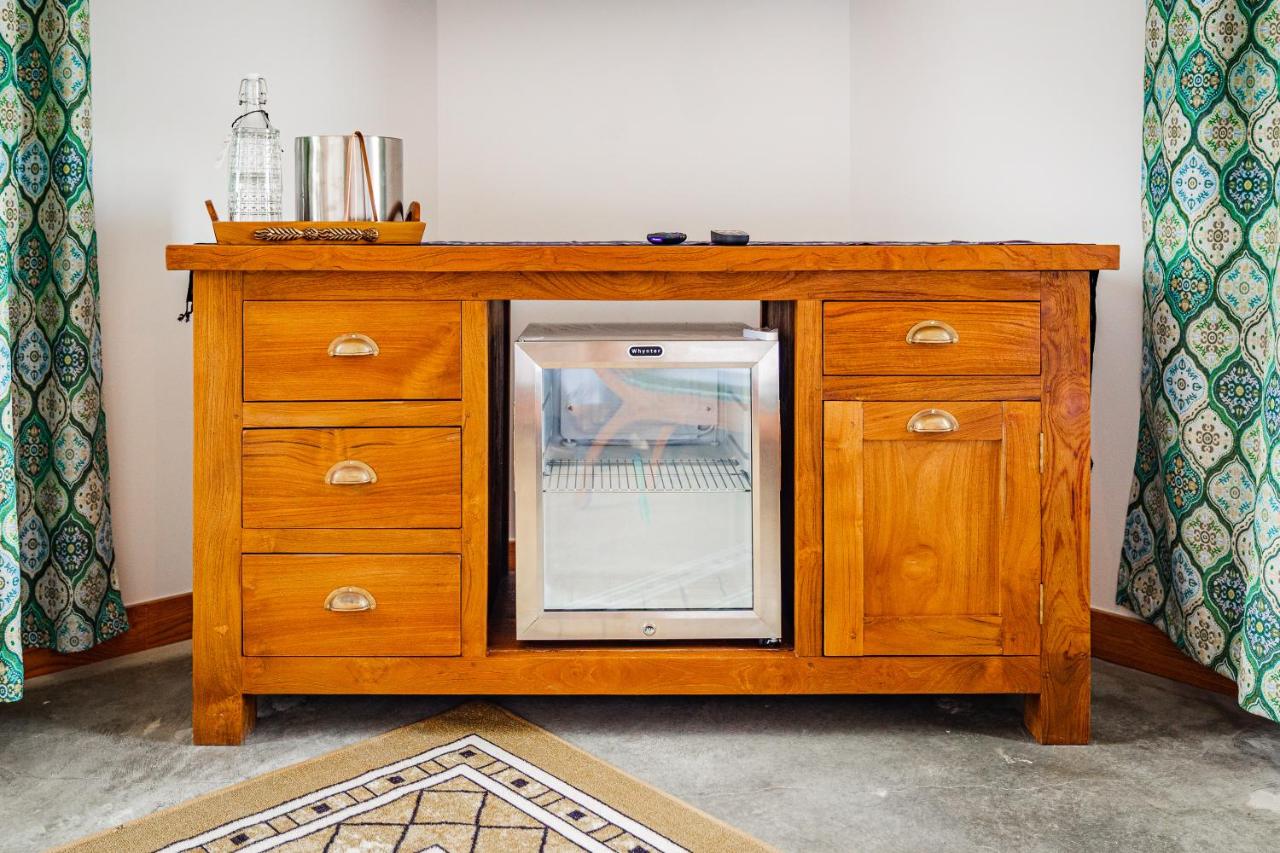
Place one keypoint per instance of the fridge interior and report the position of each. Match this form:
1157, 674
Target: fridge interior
646, 488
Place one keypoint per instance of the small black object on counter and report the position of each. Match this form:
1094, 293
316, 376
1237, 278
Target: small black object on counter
666, 238
730, 237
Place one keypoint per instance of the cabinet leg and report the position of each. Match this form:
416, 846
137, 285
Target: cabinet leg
220, 714
1060, 715
223, 722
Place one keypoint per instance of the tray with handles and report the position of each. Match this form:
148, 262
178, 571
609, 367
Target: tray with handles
407, 232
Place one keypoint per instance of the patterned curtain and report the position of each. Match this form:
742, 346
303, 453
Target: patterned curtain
54, 515
1201, 556
10, 572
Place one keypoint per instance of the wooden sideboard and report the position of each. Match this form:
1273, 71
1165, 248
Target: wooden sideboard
950, 562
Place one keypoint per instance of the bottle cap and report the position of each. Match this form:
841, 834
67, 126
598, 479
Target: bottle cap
253, 90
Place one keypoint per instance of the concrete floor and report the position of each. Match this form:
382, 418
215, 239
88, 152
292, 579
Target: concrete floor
1171, 767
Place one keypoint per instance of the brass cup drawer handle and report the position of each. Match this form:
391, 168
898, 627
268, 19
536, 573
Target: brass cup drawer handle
353, 345
932, 332
933, 421
350, 599
350, 472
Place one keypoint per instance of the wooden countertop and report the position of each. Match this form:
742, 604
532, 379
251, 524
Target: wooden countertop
638, 257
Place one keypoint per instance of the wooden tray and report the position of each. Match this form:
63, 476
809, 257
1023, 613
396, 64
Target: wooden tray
409, 231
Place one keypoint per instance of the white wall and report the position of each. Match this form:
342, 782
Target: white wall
582, 120
571, 119
165, 80
1015, 119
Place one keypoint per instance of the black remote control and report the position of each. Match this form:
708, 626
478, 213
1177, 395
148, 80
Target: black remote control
666, 238
730, 237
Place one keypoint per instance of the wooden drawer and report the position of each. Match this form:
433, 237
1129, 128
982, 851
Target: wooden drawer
406, 478
416, 605
352, 350
950, 338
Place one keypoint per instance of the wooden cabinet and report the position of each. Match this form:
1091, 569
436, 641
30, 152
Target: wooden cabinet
932, 528
351, 443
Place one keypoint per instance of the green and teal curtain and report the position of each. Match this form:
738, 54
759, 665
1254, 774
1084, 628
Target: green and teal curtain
1201, 554
10, 571
57, 581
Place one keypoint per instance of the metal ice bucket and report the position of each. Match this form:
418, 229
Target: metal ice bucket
331, 181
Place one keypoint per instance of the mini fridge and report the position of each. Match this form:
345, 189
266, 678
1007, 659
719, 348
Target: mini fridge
647, 473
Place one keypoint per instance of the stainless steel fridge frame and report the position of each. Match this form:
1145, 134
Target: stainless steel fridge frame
752, 349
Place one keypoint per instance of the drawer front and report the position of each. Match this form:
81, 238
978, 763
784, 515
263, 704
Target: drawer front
352, 478
931, 338
352, 350
351, 605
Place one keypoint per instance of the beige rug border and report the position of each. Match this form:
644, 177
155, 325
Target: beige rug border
682, 823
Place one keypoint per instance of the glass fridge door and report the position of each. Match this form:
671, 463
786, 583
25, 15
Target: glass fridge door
646, 483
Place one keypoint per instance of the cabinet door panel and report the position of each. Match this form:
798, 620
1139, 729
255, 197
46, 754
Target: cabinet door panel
932, 635
1020, 532
842, 528
926, 552
932, 537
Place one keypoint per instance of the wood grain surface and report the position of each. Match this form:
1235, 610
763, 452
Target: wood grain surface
419, 478
843, 529
221, 712
807, 475
286, 351
571, 672
870, 338
580, 258
1059, 713
864, 285
932, 540
924, 387
416, 605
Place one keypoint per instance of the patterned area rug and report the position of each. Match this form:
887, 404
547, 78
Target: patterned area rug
473, 779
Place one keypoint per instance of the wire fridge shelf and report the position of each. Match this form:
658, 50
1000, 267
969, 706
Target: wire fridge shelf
636, 475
